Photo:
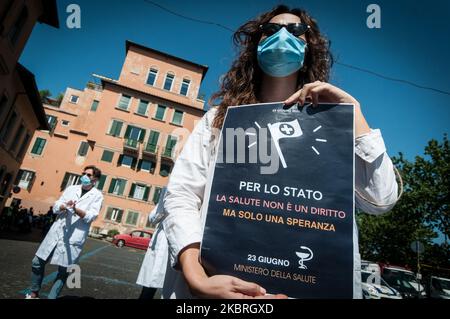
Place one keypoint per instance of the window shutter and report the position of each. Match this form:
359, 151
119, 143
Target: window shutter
128, 131
101, 182
119, 161
133, 163
82, 151
133, 187
122, 186
65, 180
111, 186
112, 130
119, 216
142, 135
118, 128
31, 183
108, 213
153, 140
147, 191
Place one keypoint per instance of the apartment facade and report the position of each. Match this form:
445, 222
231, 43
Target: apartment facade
21, 110
131, 128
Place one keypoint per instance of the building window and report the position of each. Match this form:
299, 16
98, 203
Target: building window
24, 179
94, 105
160, 112
165, 169
17, 27
170, 146
142, 107
152, 141
5, 183
65, 123
114, 214
69, 180
3, 104
7, 129
151, 79
17, 137
132, 218
128, 161
147, 166
135, 133
156, 195
177, 117
38, 146
124, 102
168, 82
185, 87
23, 146
107, 156
74, 99
101, 182
116, 128
139, 191
117, 186
52, 121
83, 149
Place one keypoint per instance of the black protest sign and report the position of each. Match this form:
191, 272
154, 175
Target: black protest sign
281, 200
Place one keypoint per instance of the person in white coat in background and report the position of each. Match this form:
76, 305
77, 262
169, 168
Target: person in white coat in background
77, 207
282, 57
153, 268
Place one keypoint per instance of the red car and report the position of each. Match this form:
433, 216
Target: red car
137, 239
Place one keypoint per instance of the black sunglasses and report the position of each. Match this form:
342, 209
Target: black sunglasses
87, 174
296, 29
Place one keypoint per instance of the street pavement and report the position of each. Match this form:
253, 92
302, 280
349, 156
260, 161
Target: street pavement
107, 272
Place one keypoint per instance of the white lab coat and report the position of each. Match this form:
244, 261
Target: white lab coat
154, 265
68, 233
183, 203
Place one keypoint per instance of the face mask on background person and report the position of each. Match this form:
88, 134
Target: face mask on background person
85, 181
281, 54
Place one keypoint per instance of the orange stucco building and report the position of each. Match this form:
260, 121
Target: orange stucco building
131, 128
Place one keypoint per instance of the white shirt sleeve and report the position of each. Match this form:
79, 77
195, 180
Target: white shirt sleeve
374, 175
185, 190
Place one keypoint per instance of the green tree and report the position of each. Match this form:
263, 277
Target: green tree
421, 214
45, 95
59, 99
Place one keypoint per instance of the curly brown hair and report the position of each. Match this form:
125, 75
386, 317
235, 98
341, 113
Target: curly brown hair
240, 85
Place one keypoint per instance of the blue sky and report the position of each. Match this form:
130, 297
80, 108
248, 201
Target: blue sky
412, 44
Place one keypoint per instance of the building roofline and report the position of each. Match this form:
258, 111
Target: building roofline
29, 84
114, 82
50, 13
129, 44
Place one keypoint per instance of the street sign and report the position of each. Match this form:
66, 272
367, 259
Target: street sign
417, 246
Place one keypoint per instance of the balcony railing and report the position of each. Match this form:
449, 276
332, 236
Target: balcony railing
150, 149
168, 153
131, 144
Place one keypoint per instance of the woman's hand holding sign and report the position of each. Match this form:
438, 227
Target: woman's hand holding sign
219, 286
321, 92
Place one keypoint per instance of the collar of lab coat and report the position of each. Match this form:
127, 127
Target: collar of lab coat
80, 198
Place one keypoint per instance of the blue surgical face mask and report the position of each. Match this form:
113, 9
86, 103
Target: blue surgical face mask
281, 54
85, 181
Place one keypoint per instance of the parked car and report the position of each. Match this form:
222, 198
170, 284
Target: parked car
439, 287
404, 281
137, 239
374, 287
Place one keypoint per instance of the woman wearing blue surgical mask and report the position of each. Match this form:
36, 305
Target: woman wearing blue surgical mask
283, 57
